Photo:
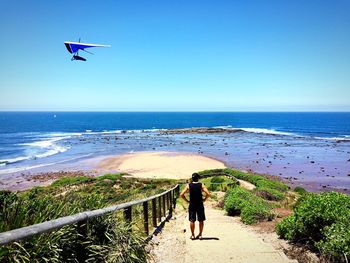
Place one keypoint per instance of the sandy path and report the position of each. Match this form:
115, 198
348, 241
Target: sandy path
228, 241
160, 164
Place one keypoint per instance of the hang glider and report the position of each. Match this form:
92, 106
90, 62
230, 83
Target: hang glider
74, 47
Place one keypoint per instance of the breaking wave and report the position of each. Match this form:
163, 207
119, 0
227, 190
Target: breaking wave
38, 149
26, 168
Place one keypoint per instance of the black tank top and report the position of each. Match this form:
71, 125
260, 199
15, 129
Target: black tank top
196, 194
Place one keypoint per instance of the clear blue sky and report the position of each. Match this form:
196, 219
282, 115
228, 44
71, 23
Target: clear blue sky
176, 55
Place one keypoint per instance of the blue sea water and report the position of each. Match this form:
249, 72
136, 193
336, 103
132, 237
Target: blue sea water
31, 140
323, 124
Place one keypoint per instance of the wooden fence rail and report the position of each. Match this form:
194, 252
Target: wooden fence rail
166, 201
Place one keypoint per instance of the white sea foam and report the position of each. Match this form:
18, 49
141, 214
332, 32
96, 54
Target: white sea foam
56, 149
223, 127
39, 149
26, 168
257, 130
64, 134
14, 160
90, 132
267, 131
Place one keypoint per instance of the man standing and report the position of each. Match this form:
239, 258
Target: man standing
196, 207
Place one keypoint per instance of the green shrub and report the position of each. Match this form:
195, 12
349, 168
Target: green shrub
257, 180
216, 183
212, 172
112, 177
255, 212
269, 194
252, 208
300, 190
336, 241
217, 179
149, 186
72, 180
321, 220
265, 183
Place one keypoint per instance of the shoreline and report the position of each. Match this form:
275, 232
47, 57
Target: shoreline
138, 165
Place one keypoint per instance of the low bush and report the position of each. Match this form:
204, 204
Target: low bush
321, 220
269, 194
72, 180
300, 190
217, 180
252, 208
216, 183
113, 177
258, 180
336, 241
266, 183
210, 173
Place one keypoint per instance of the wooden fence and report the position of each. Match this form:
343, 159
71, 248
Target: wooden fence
162, 206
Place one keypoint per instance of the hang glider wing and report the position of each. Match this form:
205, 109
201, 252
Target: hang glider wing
74, 47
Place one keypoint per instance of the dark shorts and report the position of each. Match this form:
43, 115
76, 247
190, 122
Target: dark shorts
196, 213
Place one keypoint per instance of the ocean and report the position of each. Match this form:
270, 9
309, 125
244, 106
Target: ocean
312, 148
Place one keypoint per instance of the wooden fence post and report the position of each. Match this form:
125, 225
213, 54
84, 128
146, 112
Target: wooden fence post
171, 203
174, 199
154, 212
145, 217
82, 231
127, 215
160, 209
163, 203
167, 201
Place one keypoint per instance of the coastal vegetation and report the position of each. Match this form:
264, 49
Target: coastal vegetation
252, 205
220, 183
249, 206
320, 221
108, 238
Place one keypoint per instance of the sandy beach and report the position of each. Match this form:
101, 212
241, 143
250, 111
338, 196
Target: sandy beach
172, 165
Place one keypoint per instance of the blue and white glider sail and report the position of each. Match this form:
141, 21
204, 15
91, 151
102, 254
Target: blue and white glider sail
74, 47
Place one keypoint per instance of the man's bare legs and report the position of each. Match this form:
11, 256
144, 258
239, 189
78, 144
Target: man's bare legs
201, 226
192, 228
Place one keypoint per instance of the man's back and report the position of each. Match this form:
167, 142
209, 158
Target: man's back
196, 198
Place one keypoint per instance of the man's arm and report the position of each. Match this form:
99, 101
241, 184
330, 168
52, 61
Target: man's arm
185, 191
207, 194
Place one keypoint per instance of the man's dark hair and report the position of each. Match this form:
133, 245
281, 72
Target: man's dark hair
195, 177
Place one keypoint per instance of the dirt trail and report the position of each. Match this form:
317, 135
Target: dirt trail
225, 240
